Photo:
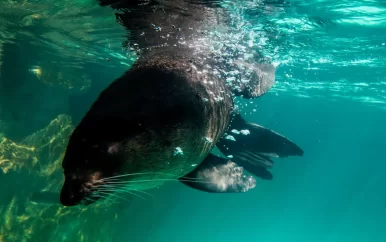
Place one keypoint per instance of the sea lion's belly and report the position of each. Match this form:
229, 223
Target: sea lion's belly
187, 111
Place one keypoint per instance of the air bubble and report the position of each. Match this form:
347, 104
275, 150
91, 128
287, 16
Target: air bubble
230, 137
178, 151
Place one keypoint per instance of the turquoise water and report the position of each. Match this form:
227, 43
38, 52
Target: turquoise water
329, 98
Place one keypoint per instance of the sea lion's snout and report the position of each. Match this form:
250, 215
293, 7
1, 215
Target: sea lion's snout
79, 189
72, 193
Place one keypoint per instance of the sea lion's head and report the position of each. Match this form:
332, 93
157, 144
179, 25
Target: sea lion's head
107, 155
93, 156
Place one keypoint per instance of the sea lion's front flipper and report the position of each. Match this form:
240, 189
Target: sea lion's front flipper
218, 175
251, 146
46, 197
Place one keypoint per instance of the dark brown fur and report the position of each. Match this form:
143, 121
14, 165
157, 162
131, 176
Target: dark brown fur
165, 101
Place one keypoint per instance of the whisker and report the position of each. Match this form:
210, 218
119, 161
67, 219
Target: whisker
122, 191
112, 194
101, 202
154, 180
103, 196
115, 188
134, 194
108, 200
142, 173
139, 173
143, 192
109, 188
88, 200
125, 189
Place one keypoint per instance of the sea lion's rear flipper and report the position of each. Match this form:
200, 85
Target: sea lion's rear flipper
259, 80
45, 197
251, 146
218, 175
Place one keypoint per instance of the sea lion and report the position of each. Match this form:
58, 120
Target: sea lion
161, 119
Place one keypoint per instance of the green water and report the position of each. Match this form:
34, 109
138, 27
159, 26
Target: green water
329, 98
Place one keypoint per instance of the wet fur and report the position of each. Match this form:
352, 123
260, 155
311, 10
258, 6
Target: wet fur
136, 124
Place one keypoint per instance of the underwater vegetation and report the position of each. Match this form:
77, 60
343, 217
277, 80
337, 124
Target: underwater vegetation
35, 164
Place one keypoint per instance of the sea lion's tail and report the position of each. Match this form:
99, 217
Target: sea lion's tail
253, 146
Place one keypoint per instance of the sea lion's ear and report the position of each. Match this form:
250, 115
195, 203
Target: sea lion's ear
253, 146
218, 175
46, 197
